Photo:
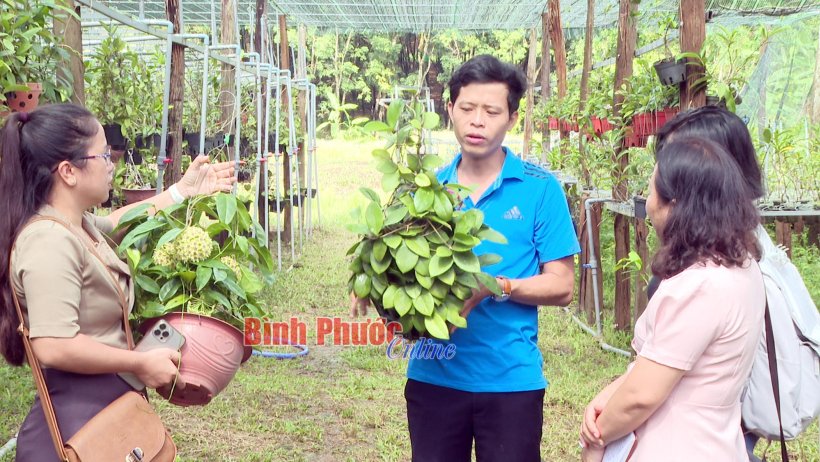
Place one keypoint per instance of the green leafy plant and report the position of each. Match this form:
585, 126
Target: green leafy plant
338, 117
197, 257
415, 258
643, 93
29, 49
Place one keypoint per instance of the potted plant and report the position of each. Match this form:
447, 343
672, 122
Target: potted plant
31, 54
671, 71
647, 105
139, 181
203, 286
414, 260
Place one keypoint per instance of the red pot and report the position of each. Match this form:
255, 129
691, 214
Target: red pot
553, 123
24, 101
211, 355
644, 124
665, 115
132, 196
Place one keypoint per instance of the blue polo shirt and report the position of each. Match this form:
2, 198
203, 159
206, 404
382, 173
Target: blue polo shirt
498, 351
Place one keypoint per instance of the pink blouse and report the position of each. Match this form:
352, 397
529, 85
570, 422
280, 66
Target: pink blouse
706, 321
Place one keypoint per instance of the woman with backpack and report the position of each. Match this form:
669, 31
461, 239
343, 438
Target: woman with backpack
55, 164
696, 340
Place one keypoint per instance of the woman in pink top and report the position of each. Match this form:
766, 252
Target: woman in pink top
696, 339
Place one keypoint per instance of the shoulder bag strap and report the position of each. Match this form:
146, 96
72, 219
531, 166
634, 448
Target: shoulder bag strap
772, 354
34, 364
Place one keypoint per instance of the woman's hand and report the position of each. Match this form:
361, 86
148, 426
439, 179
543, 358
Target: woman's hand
592, 454
589, 429
157, 368
203, 177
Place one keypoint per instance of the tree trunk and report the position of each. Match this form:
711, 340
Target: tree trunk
545, 82
301, 105
528, 122
69, 27
692, 35
173, 169
627, 38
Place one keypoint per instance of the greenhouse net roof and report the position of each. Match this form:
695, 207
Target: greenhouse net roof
431, 15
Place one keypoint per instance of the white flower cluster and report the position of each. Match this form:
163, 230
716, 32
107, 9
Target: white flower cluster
193, 245
231, 263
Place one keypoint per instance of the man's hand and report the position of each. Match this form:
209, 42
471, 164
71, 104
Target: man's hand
358, 306
478, 295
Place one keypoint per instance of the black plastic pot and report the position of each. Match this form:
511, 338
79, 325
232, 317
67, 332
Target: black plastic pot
193, 143
148, 141
671, 72
640, 207
113, 135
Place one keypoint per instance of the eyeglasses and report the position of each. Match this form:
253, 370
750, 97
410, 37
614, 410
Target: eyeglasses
106, 156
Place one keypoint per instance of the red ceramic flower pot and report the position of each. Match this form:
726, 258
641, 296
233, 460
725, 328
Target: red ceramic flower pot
25, 101
212, 354
132, 196
553, 123
644, 124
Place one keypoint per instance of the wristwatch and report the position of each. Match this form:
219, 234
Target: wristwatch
506, 289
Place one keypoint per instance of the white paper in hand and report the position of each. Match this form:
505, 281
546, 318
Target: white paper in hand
620, 449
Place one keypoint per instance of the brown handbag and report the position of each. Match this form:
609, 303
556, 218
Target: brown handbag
127, 430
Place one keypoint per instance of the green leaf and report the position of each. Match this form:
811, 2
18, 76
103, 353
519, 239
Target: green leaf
379, 249
169, 289
381, 154
424, 281
423, 200
491, 235
424, 304
419, 246
139, 232
362, 286
393, 240
370, 194
225, 207
489, 282
179, 300
437, 327
442, 206
374, 218
489, 259
250, 282
147, 284
422, 180
220, 274
454, 317
217, 297
449, 276
413, 291
405, 258
203, 275
379, 265
467, 280
442, 251
168, 237
413, 162
386, 166
431, 161
389, 297
395, 214
376, 126
403, 302
152, 309
134, 257
394, 112
440, 265
390, 181
430, 120
467, 261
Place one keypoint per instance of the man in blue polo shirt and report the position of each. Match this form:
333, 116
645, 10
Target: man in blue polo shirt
492, 389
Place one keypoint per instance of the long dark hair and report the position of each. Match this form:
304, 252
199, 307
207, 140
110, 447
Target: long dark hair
31, 145
724, 128
711, 216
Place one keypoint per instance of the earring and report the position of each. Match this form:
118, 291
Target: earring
72, 183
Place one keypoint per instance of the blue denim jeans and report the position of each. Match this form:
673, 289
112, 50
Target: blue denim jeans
751, 440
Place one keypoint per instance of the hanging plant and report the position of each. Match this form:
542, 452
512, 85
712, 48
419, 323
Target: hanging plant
415, 259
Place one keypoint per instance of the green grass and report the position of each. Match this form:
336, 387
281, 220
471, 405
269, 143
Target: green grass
344, 403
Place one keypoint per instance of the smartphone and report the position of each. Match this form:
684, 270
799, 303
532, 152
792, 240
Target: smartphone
161, 335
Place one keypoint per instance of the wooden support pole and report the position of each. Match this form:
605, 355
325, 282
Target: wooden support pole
545, 82
557, 37
692, 35
301, 106
68, 27
284, 64
783, 234
627, 40
528, 115
583, 126
259, 33
173, 169
227, 82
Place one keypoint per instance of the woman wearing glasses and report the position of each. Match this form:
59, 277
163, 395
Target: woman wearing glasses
55, 163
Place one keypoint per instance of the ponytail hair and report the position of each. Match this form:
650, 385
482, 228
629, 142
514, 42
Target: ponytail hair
31, 145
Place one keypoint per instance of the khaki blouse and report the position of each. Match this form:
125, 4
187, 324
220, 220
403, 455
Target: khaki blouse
64, 290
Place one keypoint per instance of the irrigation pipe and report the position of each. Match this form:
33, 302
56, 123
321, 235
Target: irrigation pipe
302, 350
7, 448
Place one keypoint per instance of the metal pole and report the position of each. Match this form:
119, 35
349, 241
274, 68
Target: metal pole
204, 106
294, 165
276, 173
266, 223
